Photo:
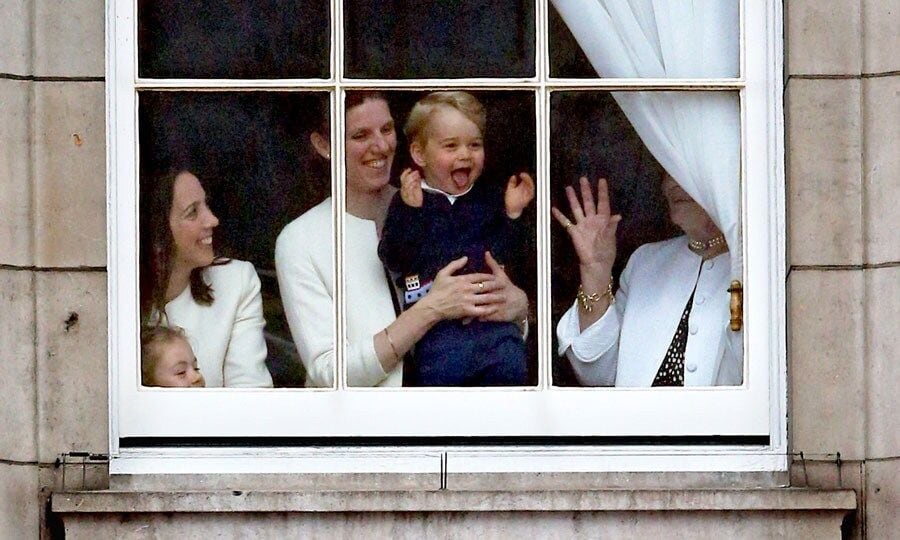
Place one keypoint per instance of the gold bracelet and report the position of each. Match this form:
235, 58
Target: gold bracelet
391, 343
588, 300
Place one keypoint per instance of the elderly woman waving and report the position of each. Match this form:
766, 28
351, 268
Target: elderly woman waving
667, 323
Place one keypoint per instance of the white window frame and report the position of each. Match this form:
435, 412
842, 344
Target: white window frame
487, 412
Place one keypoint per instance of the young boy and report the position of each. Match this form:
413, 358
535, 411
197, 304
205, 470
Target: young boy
430, 224
168, 360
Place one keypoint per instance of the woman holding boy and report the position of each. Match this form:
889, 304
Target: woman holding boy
378, 333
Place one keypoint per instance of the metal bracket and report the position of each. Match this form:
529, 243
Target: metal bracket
85, 461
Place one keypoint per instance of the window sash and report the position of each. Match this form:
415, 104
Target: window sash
548, 411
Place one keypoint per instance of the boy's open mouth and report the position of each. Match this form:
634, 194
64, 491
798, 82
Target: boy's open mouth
461, 176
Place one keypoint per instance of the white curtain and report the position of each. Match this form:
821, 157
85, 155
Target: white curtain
694, 135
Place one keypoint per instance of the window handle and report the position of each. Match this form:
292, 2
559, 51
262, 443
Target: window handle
737, 305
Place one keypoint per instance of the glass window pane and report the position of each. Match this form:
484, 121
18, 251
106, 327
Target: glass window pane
671, 161
251, 155
403, 39
615, 39
471, 167
259, 39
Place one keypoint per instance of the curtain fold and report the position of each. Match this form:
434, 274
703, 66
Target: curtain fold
694, 135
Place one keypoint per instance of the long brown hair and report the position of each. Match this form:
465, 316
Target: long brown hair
157, 252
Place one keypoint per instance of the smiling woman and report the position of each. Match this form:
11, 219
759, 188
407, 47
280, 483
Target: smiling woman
215, 300
378, 334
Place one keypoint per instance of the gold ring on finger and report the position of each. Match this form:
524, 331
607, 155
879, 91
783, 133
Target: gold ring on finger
567, 224
480, 286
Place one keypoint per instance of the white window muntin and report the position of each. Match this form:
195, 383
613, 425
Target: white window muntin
541, 411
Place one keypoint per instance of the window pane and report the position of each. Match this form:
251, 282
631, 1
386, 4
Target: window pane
660, 152
258, 39
611, 38
252, 155
403, 39
472, 166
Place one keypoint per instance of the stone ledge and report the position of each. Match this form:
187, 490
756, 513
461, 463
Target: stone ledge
787, 499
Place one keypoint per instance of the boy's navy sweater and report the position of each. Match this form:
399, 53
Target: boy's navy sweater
421, 241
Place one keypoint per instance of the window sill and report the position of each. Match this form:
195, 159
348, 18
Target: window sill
613, 500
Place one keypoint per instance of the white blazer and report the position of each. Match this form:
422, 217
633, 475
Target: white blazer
627, 345
304, 261
227, 336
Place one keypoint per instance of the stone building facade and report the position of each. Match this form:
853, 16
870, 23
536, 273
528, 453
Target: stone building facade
842, 104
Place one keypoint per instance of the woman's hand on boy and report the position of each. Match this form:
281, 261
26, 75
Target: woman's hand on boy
510, 303
411, 188
519, 193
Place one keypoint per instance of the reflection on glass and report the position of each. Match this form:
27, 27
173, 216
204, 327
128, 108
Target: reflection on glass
221, 175
669, 206
644, 39
401, 322
252, 39
404, 39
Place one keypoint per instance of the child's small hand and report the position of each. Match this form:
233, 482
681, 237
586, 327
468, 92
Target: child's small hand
411, 188
519, 193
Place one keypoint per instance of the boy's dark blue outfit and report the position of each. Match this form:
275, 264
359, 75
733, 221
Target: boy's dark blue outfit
415, 244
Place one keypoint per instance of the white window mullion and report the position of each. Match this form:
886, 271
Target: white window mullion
543, 325
233, 85
339, 207
337, 40
646, 84
338, 199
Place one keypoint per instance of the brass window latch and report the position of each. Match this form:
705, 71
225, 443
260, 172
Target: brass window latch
737, 305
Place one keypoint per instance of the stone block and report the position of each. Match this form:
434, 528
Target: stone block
881, 40
882, 498
826, 368
70, 174
72, 366
18, 414
15, 40
819, 472
823, 38
824, 144
881, 167
20, 510
15, 172
69, 38
460, 525
883, 370
278, 482
585, 481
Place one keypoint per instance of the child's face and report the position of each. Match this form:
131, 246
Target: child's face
176, 366
452, 156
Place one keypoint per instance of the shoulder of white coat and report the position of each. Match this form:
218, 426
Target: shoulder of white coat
299, 232
672, 247
234, 272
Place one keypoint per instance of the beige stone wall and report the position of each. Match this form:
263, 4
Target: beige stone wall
843, 146
52, 247
842, 152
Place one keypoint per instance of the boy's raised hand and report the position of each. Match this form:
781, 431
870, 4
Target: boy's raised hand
411, 188
519, 193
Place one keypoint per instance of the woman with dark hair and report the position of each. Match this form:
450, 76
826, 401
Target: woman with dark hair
183, 283
378, 334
